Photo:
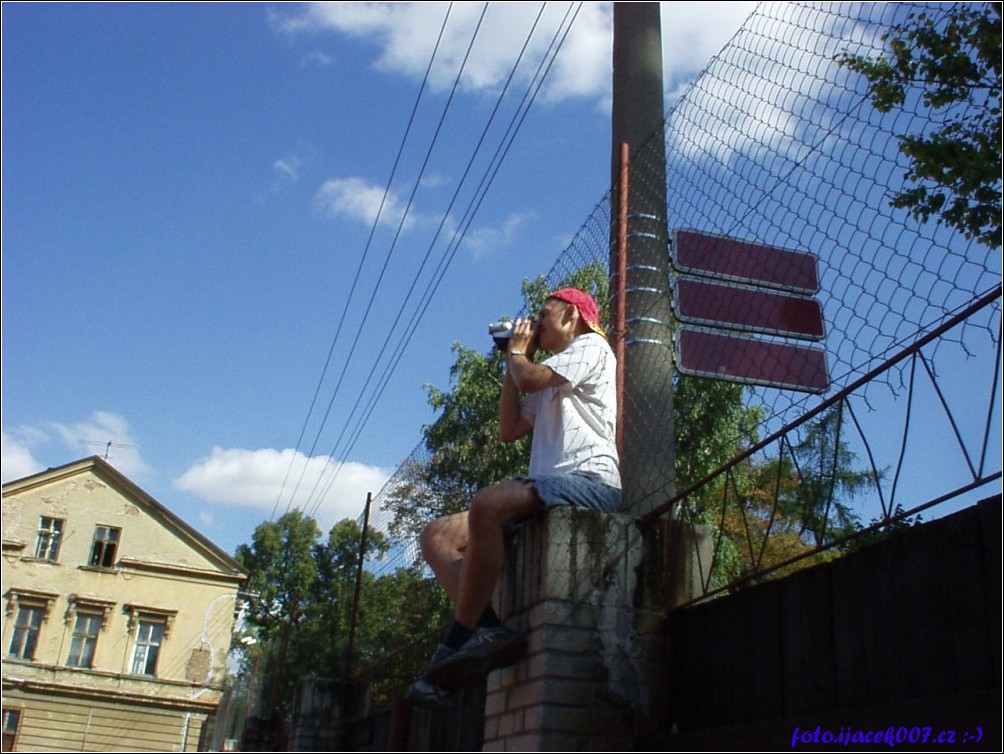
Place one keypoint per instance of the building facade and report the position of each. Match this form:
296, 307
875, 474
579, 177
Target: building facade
117, 619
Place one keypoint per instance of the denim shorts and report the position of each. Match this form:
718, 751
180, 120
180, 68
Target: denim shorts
578, 489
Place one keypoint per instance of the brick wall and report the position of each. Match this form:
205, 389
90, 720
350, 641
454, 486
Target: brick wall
569, 584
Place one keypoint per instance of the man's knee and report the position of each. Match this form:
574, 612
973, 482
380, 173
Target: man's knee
495, 505
447, 533
482, 510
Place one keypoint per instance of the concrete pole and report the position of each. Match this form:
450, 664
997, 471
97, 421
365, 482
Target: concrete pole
648, 457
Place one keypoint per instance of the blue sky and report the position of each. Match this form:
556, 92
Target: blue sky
188, 194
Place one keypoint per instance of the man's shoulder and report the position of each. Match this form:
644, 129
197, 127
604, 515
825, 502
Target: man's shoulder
591, 340
587, 359
590, 347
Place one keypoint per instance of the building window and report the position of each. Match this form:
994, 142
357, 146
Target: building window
11, 724
85, 640
106, 540
149, 637
26, 630
50, 536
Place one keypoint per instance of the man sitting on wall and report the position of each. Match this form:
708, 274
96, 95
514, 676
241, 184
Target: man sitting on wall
571, 408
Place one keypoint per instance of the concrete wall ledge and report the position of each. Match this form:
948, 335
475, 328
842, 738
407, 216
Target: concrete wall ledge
569, 584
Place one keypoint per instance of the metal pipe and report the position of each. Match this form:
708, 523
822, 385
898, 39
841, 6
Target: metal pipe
620, 316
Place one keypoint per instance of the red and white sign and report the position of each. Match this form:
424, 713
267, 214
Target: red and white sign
735, 287
705, 353
727, 258
704, 303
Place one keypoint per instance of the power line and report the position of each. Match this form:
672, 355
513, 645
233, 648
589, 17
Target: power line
355, 281
487, 179
404, 215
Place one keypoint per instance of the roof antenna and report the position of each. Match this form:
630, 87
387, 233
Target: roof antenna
108, 445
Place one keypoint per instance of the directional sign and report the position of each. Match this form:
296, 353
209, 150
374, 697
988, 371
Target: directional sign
731, 259
701, 302
704, 353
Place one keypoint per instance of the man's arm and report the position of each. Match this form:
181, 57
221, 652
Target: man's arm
530, 377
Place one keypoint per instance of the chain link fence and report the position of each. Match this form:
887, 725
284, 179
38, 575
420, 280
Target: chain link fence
778, 144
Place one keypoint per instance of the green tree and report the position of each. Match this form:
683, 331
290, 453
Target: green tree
828, 481
282, 573
401, 618
779, 509
393, 612
954, 61
338, 559
305, 598
713, 423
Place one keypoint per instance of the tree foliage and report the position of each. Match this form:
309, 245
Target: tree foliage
773, 511
953, 62
712, 424
305, 593
282, 574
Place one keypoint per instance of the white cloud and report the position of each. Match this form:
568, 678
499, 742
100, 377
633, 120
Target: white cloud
107, 435
765, 109
287, 168
694, 32
357, 199
404, 36
434, 180
16, 458
314, 17
259, 478
318, 58
482, 242
583, 67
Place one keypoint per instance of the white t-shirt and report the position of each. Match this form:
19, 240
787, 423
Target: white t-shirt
574, 424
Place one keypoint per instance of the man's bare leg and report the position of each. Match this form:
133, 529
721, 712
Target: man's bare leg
482, 563
443, 543
466, 553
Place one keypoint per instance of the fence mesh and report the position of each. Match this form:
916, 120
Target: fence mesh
778, 144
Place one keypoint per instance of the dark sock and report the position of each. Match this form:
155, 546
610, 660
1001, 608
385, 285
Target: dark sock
489, 618
456, 635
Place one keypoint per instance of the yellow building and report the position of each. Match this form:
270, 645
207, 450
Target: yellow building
118, 617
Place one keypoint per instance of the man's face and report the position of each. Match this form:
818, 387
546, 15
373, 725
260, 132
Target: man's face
554, 326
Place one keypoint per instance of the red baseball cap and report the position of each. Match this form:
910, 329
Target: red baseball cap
582, 301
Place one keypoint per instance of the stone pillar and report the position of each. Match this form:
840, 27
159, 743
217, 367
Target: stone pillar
319, 713
687, 563
569, 584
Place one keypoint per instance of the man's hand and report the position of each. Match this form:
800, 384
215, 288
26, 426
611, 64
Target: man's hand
524, 337
525, 375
